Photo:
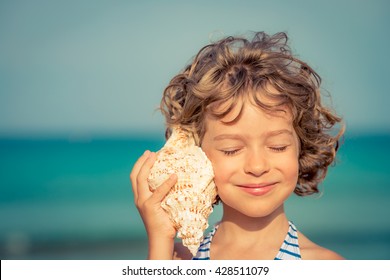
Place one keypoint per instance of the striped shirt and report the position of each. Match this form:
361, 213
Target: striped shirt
288, 251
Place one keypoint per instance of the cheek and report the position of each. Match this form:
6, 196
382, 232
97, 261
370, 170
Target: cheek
291, 170
222, 168
220, 175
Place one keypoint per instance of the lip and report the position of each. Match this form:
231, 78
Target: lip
257, 189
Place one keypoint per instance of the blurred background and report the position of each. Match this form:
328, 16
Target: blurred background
79, 85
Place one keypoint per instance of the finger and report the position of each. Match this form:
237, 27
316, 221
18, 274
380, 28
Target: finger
142, 185
138, 164
136, 168
163, 190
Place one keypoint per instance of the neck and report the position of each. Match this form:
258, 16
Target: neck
237, 222
244, 237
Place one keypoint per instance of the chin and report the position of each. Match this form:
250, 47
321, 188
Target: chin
254, 211
258, 213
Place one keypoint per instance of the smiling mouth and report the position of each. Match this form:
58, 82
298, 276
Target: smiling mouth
256, 186
257, 189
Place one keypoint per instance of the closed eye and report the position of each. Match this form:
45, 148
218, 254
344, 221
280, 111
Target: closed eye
278, 148
230, 152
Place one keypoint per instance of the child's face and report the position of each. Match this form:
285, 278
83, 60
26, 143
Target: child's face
255, 159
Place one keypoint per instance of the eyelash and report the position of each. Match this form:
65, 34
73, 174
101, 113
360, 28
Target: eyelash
279, 149
275, 149
230, 153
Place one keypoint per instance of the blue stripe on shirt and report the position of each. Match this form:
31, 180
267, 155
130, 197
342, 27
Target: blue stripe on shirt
290, 253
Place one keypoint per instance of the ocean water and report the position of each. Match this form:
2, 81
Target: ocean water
63, 199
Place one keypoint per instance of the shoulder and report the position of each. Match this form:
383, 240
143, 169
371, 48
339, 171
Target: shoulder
312, 251
181, 252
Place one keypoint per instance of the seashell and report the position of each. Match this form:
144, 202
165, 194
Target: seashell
189, 202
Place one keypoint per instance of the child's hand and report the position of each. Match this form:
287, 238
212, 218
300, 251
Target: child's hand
156, 220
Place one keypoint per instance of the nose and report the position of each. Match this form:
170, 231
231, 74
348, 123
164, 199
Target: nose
256, 163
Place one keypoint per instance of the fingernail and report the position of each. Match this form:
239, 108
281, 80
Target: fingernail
147, 153
172, 177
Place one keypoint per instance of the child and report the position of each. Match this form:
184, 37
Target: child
256, 112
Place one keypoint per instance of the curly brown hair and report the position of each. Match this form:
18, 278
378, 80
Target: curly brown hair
222, 72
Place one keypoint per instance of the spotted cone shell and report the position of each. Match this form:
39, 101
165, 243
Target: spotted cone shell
189, 202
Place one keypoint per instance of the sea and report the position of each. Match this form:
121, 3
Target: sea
64, 199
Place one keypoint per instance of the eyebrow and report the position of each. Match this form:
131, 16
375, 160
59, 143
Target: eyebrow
278, 132
227, 136
267, 134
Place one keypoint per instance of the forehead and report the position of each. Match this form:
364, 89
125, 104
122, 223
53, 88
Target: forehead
252, 124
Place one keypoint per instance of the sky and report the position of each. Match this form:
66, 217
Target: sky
85, 68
